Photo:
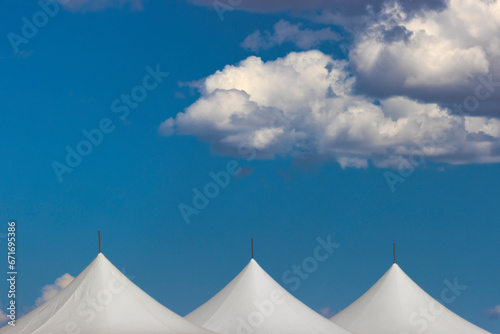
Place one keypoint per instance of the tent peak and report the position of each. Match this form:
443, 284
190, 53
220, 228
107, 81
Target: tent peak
391, 301
232, 310
395, 268
119, 306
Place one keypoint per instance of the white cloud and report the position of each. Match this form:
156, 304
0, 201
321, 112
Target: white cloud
50, 290
97, 5
326, 312
3, 318
304, 105
284, 32
494, 312
429, 50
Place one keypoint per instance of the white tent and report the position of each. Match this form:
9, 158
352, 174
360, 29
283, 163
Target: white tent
397, 305
253, 303
101, 300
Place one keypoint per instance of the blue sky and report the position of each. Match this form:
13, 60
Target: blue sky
343, 118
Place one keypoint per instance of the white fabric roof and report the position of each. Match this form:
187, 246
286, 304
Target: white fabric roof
396, 305
101, 300
253, 303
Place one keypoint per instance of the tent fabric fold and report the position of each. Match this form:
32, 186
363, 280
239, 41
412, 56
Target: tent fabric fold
397, 305
101, 300
253, 303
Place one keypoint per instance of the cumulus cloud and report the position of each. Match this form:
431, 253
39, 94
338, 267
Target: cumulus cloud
326, 312
432, 55
50, 290
3, 317
284, 32
494, 312
304, 105
97, 5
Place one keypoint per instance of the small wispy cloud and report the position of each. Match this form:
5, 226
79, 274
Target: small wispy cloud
326, 312
244, 172
98, 5
286, 32
494, 312
50, 290
3, 318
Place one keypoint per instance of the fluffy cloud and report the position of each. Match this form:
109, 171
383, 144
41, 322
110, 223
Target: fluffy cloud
284, 32
431, 55
494, 312
433, 51
50, 290
304, 105
97, 5
3, 317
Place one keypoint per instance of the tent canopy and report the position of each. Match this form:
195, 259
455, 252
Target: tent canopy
253, 303
101, 300
397, 305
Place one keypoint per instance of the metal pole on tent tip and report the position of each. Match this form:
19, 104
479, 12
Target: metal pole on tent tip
252, 248
99, 237
394, 252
